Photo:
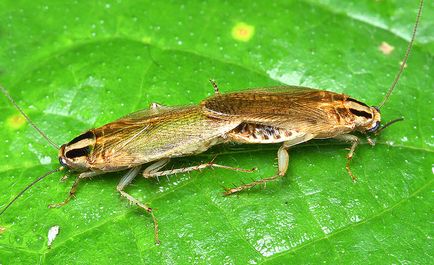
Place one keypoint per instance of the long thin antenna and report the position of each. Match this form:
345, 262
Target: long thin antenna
407, 53
387, 125
31, 185
6, 93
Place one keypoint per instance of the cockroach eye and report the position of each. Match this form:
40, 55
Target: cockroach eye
376, 126
62, 162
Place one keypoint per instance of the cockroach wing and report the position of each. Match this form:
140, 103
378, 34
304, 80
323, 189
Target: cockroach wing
289, 107
147, 135
141, 114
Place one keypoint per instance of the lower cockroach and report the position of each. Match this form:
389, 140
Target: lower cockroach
288, 114
148, 136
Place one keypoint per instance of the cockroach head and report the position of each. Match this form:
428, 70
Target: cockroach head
376, 120
365, 118
75, 154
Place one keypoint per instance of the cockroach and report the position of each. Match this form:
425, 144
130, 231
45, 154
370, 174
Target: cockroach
292, 115
151, 136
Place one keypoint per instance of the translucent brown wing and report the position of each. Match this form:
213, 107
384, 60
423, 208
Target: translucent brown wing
119, 133
284, 106
139, 115
147, 136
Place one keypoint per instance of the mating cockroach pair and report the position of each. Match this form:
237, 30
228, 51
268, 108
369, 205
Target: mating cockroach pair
287, 114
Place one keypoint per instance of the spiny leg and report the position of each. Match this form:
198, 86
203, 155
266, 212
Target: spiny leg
73, 189
214, 85
156, 106
354, 140
155, 167
153, 170
282, 161
125, 181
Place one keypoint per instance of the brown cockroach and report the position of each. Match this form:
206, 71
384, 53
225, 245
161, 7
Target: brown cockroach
149, 136
292, 115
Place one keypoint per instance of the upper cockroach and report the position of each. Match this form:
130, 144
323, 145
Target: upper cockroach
292, 115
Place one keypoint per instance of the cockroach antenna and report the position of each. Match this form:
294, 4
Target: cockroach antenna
29, 186
387, 125
407, 53
6, 93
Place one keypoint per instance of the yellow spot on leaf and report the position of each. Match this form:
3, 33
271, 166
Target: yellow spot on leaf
2, 229
16, 121
243, 32
386, 48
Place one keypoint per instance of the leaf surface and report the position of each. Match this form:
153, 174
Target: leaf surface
76, 65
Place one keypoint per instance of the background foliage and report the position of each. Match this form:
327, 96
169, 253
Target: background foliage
78, 64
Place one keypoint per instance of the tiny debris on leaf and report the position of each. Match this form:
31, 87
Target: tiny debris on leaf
386, 48
52, 234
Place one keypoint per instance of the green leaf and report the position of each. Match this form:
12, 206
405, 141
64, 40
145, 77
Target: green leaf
76, 65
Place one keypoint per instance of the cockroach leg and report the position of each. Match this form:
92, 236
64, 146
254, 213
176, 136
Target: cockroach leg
70, 196
64, 178
230, 191
282, 160
214, 85
74, 188
154, 173
370, 141
156, 106
155, 167
354, 140
125, 181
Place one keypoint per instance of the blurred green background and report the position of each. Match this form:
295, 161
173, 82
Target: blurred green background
75, 65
